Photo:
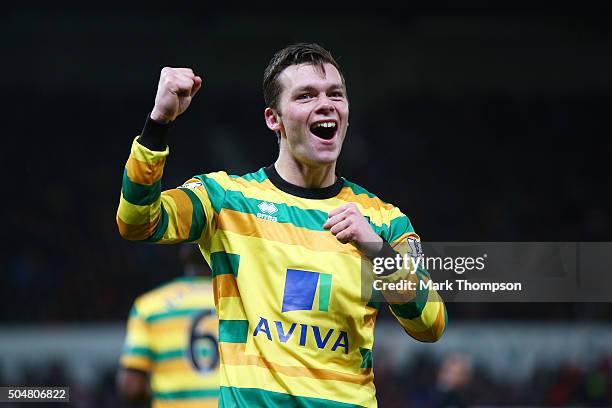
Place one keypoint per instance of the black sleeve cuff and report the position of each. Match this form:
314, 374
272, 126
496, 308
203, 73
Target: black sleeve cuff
386, 251
155, 135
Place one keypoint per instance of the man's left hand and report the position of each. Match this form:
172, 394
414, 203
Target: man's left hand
348, 225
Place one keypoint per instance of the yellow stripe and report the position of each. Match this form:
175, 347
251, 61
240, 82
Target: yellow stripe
180, 210
185, 379
269, 378
435, 331
135, 323
135, 232
139, 339
226, 286
266, 191
171, 323
169, 334
363, 200
394, 213
240, 184
141, 153
144, 173
369, 319
191, 295
428, 316
232, 308
233, 354
202, 195
200, 403
133, 214
250, 225
173, 366
136, 362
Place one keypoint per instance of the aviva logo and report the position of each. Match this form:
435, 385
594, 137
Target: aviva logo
301, 287
300, 294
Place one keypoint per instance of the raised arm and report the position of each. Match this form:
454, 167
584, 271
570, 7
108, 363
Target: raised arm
146, 213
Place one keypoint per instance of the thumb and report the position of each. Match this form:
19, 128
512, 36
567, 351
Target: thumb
197, 84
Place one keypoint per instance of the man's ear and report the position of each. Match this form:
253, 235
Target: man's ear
272, 120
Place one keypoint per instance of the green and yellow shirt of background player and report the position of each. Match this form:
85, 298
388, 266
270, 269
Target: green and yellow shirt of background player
294, 329
172, 335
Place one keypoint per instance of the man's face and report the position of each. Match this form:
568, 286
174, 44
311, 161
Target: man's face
314, 113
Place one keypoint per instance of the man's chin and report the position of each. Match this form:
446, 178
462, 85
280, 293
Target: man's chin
325, 159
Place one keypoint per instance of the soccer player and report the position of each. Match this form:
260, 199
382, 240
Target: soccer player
285, 243
171, 351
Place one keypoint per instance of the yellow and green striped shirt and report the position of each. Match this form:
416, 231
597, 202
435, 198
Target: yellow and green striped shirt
172, 334
294, 329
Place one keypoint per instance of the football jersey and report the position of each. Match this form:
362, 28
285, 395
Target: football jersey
172, 334
294, 327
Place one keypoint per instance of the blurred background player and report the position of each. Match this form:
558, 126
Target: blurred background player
170, 352
453, 379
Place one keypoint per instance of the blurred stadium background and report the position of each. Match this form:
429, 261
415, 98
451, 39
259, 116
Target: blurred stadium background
482, 124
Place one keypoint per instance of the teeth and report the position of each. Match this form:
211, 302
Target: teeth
325, 124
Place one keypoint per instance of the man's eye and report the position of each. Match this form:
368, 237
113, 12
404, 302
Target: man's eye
336, 95
304, 96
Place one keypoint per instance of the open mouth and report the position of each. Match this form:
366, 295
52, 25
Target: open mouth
325, 130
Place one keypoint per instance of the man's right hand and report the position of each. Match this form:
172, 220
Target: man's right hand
176, 88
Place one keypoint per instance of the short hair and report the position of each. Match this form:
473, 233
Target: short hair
296, 54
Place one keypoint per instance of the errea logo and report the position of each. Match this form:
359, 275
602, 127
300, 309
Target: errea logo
267, 209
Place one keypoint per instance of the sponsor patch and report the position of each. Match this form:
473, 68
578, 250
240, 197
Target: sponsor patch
192, 185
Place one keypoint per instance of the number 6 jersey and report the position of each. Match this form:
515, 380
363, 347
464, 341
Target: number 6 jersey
172, 335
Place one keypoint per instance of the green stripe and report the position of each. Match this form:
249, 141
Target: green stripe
140, 194
233, 331
216, 193
399, 226
162, 225
375, 305
366, 357
200, 393
309, 219
223, 263
133, 311
198, 219
301, 218
325, 281
139, 351
254, 397
259, 176
171, 314
414, 308
170, 354
166, 355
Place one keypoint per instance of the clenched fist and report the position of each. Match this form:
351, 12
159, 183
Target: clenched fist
176, 88
348, 225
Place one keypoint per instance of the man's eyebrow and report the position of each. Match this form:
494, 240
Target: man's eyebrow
332, 87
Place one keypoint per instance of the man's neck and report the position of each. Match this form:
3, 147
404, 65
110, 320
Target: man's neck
303, 175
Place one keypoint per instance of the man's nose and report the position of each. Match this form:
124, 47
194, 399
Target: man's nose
325, 105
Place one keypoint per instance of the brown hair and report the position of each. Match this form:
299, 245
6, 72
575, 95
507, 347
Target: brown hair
296, 54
